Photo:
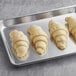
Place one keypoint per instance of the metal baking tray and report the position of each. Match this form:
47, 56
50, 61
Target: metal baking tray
41, 19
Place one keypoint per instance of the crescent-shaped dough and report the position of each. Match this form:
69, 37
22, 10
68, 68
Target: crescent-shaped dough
39, 39
58, 33
20, 44
71, 23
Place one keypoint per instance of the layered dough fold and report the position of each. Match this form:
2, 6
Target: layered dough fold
38, 38
58, 33
71, 23
20, 44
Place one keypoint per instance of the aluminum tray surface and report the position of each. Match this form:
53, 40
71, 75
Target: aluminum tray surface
52, 51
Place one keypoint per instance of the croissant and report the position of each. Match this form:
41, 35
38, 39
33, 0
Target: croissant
38, 38
58, 33
20, 44
71, 23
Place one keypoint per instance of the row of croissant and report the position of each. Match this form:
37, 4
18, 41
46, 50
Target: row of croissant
39, 39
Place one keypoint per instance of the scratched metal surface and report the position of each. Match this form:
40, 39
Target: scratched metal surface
59, 67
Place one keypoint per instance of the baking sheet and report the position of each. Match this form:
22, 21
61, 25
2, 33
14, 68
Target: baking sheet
52, 51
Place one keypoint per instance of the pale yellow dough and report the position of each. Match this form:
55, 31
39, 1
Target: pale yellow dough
58, 33
71, 23
38, 38
20, 44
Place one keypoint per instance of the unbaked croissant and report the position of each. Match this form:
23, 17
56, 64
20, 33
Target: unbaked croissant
71, 23
20, 44
58, 33
38, 38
